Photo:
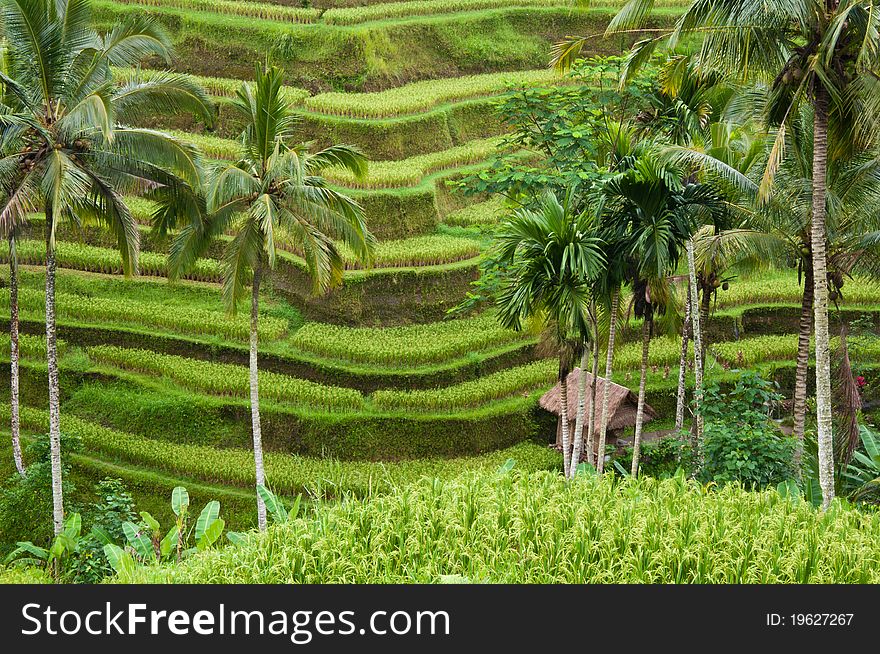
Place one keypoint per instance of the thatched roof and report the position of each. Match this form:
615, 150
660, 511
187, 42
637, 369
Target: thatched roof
622, 402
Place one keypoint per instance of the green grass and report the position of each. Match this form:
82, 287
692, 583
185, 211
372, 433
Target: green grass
227, 379
220, 87
259, 10
287, 474
91, 258
428, 250
425, 95
414, 170
405, 346
522, 381
780, 286
522, 528
476, 214
122, 311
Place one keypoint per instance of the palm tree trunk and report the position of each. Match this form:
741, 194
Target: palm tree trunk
705, 307
682, 361
563, 420
54, 396
255, 398
799, 410
820, 298
15, 423
698, 354
606, 387
579, 418
591, 410
640, 410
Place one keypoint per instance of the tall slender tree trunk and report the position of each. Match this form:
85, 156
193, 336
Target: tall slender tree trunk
705, 308
255, 396
682, 361
606, 387
697, 431
54, 396
581, 412
799, 409
640, 410
563, 420
591, 410
15, 422
820, 298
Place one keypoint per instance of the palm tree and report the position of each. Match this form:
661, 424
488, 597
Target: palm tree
552, 256
64, 147
273, 194
823, 53
653, 211
853, 224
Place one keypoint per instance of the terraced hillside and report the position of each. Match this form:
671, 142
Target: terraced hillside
370, 385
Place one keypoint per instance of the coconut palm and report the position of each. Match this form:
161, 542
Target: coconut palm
64, 146
822, 53
274, 195
552, 255
853, 224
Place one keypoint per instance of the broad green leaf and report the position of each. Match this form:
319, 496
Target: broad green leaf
236, 537
138, 540
208, 515
73, 525
150, 521
30, 548
585, 469
100, 535
119, 559
273, 504
506, 467
788, 489
169, 544
179, 500
212, 534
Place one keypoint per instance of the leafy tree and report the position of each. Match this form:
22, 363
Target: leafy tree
820, 53
65, 147
274, 195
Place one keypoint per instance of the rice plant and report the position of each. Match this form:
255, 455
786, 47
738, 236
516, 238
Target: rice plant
227, 379
536, 528
411, 345
522, 381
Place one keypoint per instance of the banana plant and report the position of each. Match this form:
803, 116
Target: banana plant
58, 553
863, 472
146, 543
275, 508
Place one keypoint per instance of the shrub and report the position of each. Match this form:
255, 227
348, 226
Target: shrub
740, 442
26, 504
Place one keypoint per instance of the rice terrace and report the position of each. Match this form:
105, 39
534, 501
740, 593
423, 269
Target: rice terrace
420, 291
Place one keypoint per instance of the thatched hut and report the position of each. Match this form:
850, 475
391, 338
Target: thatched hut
622, 406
